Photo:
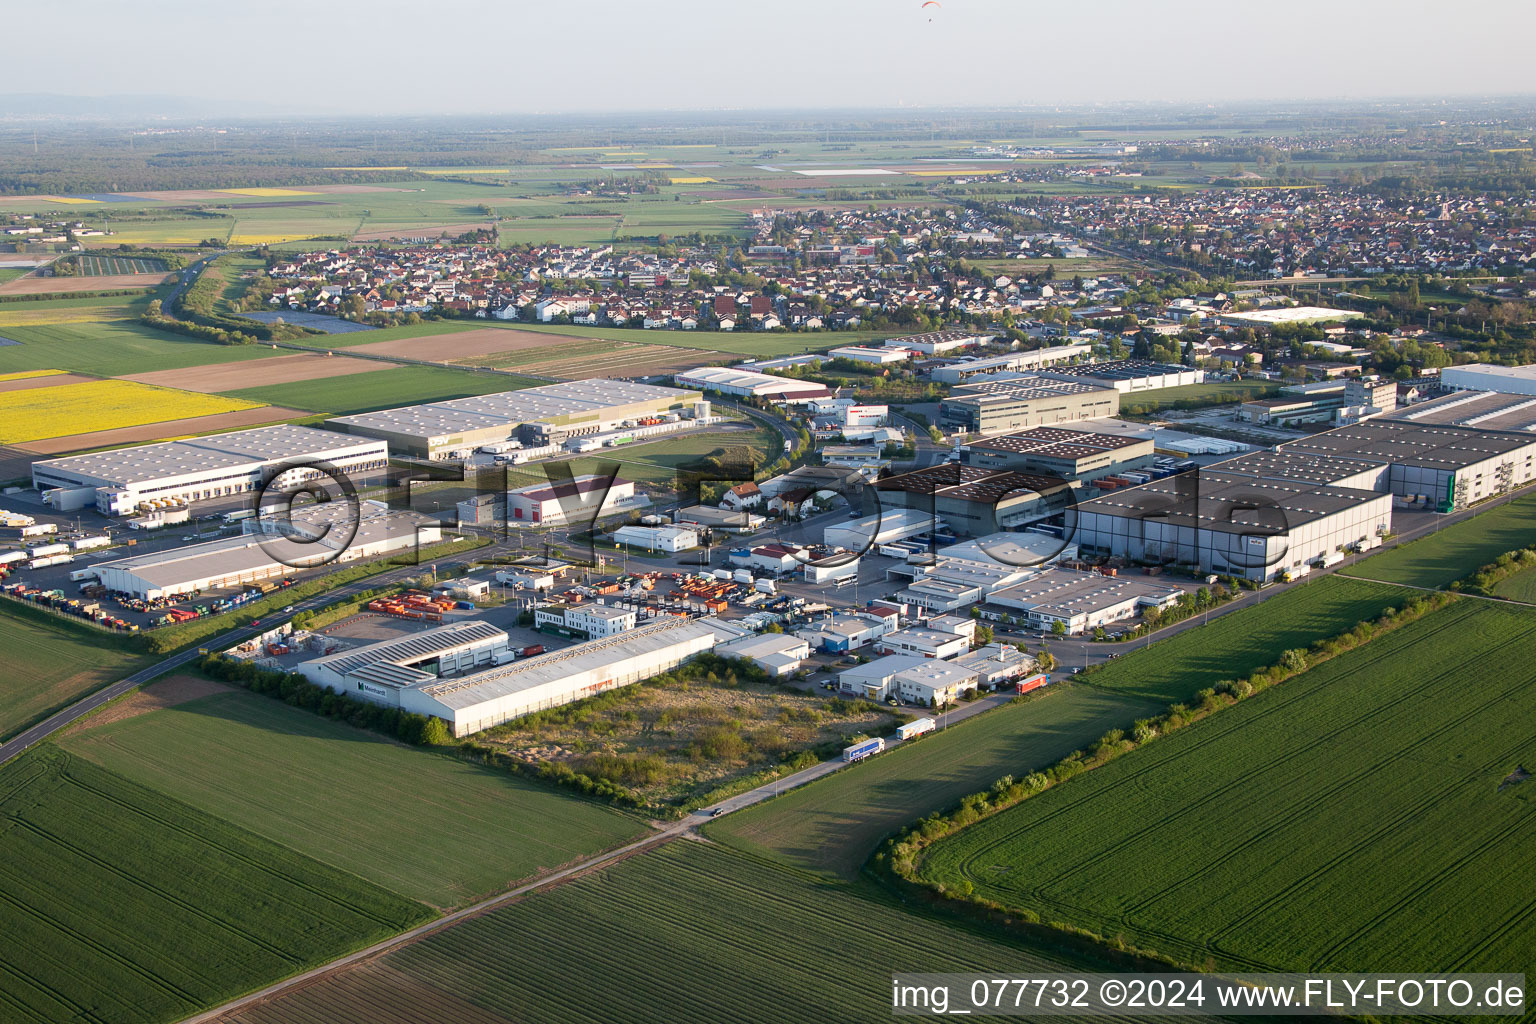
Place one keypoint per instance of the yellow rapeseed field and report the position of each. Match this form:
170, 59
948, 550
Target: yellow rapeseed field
242, 239
264, 192
41, 413
68, 200
25, 374
690, 181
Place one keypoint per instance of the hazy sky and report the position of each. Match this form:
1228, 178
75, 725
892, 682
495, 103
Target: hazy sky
513, 56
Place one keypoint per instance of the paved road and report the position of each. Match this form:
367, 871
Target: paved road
223, 641
186, 277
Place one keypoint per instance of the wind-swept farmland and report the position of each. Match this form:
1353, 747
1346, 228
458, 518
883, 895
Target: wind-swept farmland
1356, 817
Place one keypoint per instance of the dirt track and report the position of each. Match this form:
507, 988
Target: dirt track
32, 284
158, 431
255, 373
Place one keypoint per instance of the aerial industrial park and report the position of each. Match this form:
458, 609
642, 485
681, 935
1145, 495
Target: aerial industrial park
1023, 537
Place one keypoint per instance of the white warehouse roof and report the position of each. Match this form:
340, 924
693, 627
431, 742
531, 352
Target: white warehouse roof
241, 448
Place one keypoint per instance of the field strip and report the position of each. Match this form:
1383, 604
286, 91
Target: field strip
640, 845
1152, 763
1438, 590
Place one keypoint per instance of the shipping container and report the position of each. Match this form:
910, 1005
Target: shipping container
1031, 683
914, 729
531, 650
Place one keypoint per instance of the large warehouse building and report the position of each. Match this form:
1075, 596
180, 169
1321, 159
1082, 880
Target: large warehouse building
1443, 467
468, 679
1058, 451
1001, 406
975, 501
1034, 359
542, 415
180, 472
1509, 380
729, 380
1250, 526
264, 552
1131, 375
581, 499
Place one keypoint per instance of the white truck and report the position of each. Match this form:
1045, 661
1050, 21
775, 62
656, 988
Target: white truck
1295, 572
915, 728
766, 587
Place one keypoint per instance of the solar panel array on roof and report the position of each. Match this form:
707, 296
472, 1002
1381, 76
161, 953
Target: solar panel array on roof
407, 650
510, 408
1411, 444
283, 441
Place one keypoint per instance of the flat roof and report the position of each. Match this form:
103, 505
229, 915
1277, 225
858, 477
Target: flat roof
1483, 410
1024, 388
408, 650
1213, 500
1127, 369
250, 552
1304, 467
969, 483
734, 377
762, 645
1058, 442
258, 445
1526, 372
1405, 443
508, 409
1293, 315
1067, 592
527, 673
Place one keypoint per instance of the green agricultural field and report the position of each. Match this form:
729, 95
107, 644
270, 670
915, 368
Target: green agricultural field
383, 389
684, 933
1456, 551
1349, 819
1191, 395
1234, 644
429, 827
63, 662
832, 825
1519, 587
109, 349
155, 231
658, 462
12, 273
123, 905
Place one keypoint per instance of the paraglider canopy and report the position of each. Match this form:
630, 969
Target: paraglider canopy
930, 3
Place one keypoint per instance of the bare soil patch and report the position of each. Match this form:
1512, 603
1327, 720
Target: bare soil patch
53, 380
33, 284
623, 361
342, 190
419, 231
485, 341
254, 373
160, 431
164, 693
